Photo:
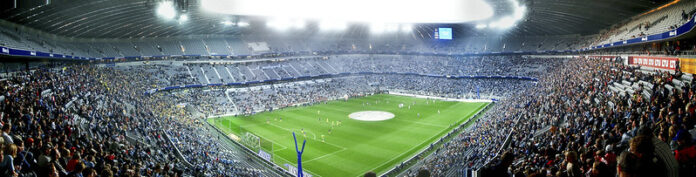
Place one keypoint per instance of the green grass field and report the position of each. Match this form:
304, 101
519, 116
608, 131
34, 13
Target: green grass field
354, 147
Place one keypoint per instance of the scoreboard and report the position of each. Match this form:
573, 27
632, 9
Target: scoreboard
443, 33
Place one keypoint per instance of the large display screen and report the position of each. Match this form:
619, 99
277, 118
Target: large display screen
445, 33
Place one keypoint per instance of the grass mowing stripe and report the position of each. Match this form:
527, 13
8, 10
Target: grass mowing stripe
431, 140
355, 146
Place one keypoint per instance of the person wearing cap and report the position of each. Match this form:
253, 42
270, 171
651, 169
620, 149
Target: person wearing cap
685, 154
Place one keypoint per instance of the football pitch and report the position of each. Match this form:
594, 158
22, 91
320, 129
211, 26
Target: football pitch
338, 145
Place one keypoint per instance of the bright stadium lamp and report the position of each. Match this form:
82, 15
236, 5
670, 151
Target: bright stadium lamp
279, 25
366, 11
242, 24
406, 28
330, 25
183, 18
391, 28
285, 24
377, 28
165, 9
298, 24
508, 21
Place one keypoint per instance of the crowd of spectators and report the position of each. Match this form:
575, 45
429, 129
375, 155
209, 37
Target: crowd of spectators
93, 120
221, 72
573, 124
86, 120
250, 100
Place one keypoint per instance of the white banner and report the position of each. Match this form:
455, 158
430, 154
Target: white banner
293, 170
265, 155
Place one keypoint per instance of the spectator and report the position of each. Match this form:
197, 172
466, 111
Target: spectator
685, 154
370, 174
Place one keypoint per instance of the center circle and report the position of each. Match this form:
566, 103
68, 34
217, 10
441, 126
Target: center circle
371, 115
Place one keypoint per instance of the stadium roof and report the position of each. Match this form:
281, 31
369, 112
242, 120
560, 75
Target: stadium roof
138, 18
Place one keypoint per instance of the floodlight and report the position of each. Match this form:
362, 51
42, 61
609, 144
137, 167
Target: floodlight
365, 11
331, 25
242, 24
183, 18
165, 9
406, 28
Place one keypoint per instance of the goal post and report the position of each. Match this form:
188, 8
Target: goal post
251, 141
256, 143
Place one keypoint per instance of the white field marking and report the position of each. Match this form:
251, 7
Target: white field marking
401, 154
283, 149
267, 138
371, 115
470, 116
335, 145
321, 157
422, 123
312, 134
343, 148
315, 136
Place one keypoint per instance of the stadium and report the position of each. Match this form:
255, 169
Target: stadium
461, 88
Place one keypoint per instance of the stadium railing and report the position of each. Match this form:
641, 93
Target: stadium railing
176, 149
681, 30
311, 77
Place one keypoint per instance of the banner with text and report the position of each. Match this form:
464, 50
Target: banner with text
293, 170
608, 58
654, 62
